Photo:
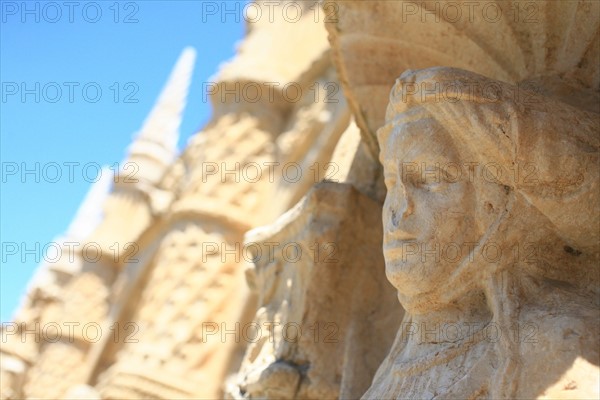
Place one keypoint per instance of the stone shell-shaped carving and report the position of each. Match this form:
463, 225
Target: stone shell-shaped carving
374, 42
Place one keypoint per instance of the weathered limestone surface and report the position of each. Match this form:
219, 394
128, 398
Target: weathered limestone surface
542, 132
321, 344
417, 217
374, 41
538, 290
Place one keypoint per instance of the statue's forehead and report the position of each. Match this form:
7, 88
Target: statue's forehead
412, 142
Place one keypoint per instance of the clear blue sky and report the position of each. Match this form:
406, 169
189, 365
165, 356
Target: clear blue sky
81, 51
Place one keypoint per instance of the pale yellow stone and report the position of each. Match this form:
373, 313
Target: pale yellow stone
314, 343
504, 324
375, 41
181, 312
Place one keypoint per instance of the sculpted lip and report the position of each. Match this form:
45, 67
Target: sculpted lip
393, 241
399, 236
392, 252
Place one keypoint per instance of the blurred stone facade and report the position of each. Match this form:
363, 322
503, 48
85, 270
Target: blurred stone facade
250, 264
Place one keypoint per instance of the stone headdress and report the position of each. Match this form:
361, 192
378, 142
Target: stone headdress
537, 162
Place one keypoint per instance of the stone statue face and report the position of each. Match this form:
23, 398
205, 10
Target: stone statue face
429, 216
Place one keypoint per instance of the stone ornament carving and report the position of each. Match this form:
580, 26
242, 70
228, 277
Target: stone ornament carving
190, 282
300, 324
316, 124
56, 368
496, 267
374, 41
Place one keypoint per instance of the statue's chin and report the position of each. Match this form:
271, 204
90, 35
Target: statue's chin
414, 279
408, 278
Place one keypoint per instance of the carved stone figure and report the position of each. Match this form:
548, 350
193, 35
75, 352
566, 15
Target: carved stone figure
297, 259
491, 238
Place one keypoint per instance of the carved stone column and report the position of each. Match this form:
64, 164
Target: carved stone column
190, 281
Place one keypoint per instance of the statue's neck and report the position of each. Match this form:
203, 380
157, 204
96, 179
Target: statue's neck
449, 325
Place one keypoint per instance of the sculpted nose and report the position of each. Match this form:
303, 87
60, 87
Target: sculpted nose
405, 209
408, 208
394, 219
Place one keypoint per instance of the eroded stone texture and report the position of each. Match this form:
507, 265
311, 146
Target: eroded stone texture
538, 291
373, 42
313, 342
184, 288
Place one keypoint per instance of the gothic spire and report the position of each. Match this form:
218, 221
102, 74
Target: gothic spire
155, 144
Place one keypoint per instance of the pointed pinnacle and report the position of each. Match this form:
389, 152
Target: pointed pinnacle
160, 131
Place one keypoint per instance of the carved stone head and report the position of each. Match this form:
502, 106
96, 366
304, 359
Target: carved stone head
479, 182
